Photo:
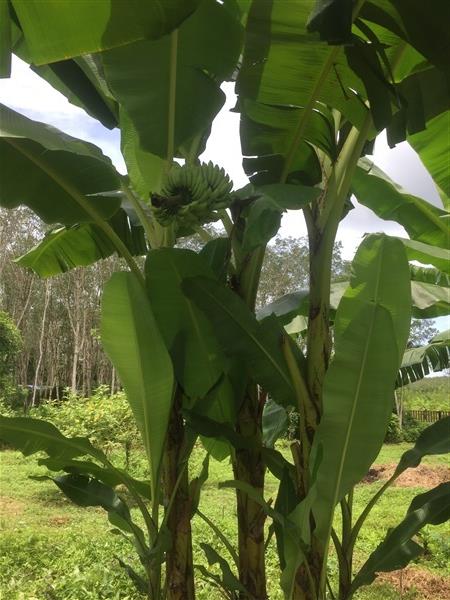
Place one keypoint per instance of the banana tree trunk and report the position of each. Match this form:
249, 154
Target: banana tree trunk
249, 467
179, 564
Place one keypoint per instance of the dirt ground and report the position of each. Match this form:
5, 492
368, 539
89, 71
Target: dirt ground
421, 477
10, 508
427, 585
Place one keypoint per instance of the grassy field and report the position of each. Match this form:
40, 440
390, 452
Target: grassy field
431, 393
52, 550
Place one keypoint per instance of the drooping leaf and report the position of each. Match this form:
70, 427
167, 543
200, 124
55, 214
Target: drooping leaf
58, 168
133, 342
359, 384
433, 440
242, 337
228, 581
56, 31
107, 475
86, 491
422, 221
421, 361
64, 248
195, 485
34, 435
139, 582
398, 548
207, 49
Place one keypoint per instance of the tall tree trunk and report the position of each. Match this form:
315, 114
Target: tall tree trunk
75, 357
179, 564
41, 341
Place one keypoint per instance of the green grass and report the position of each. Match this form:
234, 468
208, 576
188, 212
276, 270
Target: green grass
50, 549
431, 393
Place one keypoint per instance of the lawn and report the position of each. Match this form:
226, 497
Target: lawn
52, 550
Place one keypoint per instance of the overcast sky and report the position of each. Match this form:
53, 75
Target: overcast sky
29, 94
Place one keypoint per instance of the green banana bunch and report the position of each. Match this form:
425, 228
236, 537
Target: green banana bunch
191, 195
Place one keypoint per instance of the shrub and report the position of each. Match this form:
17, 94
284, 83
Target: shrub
106, 420
10, 346
394, 434
412, 428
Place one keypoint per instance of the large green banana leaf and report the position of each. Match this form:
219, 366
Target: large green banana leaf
132, 340
427, 30
380, 272
398, 548
286, 74
421, 361
34, 435
428, 255
423, 95
196, 355
56, 30
204, 53
64, 248
258, 345
423, 221
80, 79
432, 148
428, 299
145, 169
5, 40
359, 384
53, 173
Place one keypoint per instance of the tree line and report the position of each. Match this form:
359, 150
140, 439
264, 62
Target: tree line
58, 318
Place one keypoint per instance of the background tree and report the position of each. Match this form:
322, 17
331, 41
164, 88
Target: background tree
10, 347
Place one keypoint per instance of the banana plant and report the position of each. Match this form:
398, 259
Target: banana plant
316, 82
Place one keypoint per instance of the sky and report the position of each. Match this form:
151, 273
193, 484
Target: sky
30, 95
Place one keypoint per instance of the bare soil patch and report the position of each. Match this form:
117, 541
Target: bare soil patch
427, 585
10, 508
422, 476
59, 521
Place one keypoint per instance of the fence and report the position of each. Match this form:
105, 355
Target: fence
429, 416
